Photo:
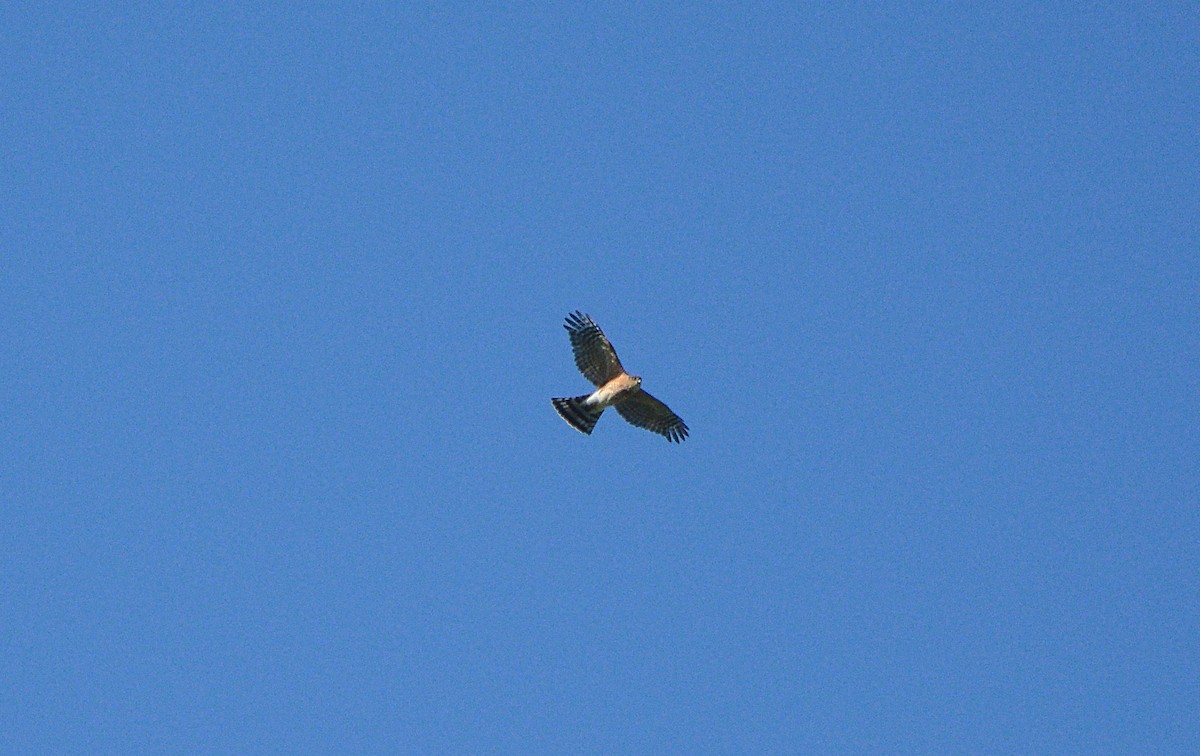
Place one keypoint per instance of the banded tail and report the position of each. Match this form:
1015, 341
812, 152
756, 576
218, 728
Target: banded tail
577, 414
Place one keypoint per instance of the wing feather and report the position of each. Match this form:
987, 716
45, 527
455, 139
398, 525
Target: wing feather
644, 411
594, 354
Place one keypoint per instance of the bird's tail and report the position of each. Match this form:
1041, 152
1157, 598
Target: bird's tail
577, 414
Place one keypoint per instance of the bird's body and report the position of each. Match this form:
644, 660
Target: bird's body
597, 360
614, 391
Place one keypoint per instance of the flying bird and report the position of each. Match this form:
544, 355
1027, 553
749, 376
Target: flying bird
597, 360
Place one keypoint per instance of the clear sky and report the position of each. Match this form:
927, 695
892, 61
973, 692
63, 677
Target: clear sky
282, 291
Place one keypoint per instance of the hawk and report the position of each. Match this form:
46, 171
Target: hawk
597, 360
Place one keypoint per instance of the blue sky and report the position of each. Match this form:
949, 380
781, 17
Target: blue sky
283, 291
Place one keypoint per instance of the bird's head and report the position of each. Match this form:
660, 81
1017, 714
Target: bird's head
637, 380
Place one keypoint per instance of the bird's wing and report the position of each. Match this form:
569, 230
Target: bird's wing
645, 411
594, 355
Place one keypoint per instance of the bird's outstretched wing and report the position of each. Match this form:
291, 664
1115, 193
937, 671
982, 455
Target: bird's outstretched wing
645, 411
594, 355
